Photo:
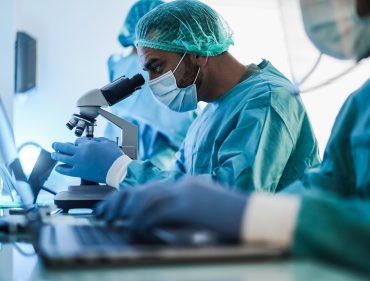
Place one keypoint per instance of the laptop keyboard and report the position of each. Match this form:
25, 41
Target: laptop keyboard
100, 235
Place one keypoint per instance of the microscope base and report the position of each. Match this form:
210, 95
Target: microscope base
82, 196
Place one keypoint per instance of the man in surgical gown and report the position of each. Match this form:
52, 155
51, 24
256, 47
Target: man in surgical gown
331, 220
161, 131
254, 133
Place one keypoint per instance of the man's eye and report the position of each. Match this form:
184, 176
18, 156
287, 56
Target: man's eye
158, 69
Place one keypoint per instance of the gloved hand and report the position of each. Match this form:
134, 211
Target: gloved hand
89, 159
190, 201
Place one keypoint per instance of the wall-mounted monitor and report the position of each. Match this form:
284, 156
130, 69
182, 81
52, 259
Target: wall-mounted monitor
25, 62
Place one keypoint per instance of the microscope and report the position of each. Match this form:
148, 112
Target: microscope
90, 106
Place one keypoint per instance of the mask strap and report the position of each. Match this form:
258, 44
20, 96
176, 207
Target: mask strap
179, 62
196, 75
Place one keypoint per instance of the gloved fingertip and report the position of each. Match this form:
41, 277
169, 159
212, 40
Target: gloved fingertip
81, 140
98, 211
54, 145
99, 214
63, 169
110, 216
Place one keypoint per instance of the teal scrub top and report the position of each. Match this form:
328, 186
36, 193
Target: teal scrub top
257, 136
161, 131
336, 198
333, 229
345, 169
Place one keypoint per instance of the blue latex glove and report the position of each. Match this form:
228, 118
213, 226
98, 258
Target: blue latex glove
190, 201
88, 159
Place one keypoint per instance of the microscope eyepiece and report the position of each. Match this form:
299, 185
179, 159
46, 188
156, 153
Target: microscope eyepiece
137, 80
122, 88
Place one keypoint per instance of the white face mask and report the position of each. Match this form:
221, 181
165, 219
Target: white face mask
336, 29
165, 89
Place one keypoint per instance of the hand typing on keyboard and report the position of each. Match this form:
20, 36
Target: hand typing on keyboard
188, 202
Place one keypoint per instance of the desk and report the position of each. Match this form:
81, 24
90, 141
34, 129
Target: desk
14, 266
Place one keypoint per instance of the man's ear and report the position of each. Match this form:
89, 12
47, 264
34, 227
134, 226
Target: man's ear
201, 61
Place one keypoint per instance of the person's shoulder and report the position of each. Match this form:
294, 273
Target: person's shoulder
276, 80
283, 96
282, 93
362, 95
357, 105
268, 81
268, 87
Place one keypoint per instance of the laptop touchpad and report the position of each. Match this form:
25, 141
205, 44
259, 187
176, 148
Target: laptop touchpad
187, 236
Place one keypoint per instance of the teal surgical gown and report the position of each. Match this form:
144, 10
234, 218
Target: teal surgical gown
345, 169
333, 229
336, 200
161, 131
257, 136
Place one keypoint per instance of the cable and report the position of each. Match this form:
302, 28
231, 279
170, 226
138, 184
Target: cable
330, 80
22, 252
297, 82
49, 190
302, 81
285, 35
28, 143
311, 71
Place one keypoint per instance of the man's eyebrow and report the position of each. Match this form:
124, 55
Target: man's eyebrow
148, 65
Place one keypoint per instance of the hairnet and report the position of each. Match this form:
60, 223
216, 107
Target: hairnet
184, 26
127, 34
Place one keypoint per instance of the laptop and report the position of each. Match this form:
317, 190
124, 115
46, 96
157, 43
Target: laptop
14, 180
68, 245
13, 220
28, 189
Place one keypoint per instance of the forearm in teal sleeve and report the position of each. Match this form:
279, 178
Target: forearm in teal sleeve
334, 230
139, 172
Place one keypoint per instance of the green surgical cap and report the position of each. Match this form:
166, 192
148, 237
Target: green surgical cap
184, 26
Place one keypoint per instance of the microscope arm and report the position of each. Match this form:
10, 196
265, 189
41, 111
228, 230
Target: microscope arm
129, 133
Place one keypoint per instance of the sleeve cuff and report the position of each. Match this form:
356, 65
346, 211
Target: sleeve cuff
118, 171
270, 219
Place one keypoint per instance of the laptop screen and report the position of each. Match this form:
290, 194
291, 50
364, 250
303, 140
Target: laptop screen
9, 159
22, 188
8, 150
